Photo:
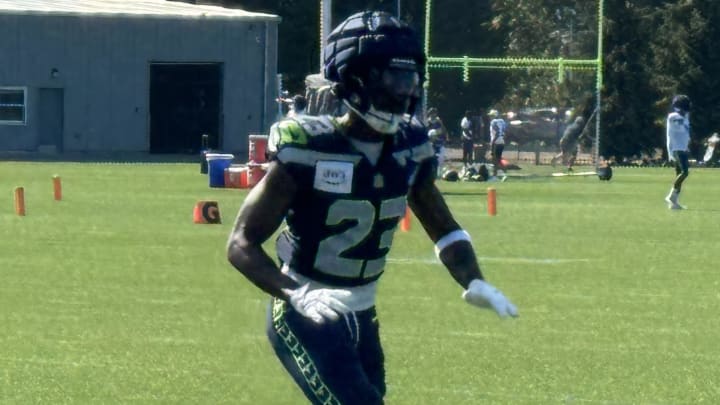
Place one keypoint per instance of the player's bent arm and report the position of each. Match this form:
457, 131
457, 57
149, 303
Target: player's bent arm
259, 217
430, 208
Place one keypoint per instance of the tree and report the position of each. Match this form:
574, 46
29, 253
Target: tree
628, 112
685, 57
547, 29
652, 50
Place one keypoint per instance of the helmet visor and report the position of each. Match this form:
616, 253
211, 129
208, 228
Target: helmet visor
396, 89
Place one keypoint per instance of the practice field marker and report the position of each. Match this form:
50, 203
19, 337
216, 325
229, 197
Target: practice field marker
406, 221
57, 188
20, 201
206, 212
491, 201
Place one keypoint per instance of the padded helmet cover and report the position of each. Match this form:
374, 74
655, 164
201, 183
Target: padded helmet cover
366, 40
681, 102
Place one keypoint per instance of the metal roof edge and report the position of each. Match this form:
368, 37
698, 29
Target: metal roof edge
129, 9
254, 17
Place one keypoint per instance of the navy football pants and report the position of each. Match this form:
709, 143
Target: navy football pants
681, 168
338, 362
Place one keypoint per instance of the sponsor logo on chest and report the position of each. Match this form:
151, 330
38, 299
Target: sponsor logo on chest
333, 177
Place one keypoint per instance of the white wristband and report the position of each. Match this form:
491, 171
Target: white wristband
449, 239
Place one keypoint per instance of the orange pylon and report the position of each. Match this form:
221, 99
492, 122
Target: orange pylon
492, 202
405, 221
57, 188
20, 201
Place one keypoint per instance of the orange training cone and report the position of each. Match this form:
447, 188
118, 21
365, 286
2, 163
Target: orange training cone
57, 188
492, 202
405, 221
20, 201
206, 212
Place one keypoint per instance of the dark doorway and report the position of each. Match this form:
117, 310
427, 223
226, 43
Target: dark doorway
184, 105
50, 118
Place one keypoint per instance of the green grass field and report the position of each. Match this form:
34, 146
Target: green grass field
113, 295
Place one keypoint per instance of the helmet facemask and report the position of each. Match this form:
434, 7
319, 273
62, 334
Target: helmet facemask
377, 63
386, 95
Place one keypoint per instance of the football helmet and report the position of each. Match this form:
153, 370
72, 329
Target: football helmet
377, 64
604, 173
681, 103
450, 175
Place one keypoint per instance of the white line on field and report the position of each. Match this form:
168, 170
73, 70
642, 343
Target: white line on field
568, 398
524, 260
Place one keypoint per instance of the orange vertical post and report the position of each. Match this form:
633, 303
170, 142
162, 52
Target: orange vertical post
492, 201
57, 187
405, 221
20, 201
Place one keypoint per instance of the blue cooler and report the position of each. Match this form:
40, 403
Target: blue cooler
217, 163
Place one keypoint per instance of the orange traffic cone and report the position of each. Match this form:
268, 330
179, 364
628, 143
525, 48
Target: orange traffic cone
492, 202
206, 212
405, 221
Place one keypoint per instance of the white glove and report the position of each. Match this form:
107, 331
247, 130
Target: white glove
320, 304
484, 295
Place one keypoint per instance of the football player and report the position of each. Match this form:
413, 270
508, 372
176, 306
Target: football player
342, 185
468, 139
569, 143
678, 141
497, 141
438, 136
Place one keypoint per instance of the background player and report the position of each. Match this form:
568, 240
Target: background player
468, 138
569, 143
342, 184
678, 141
497, 141
438, 137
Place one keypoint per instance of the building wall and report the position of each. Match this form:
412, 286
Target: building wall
103, 64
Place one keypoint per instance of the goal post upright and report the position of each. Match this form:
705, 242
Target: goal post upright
466, 63
599, 80
426, 43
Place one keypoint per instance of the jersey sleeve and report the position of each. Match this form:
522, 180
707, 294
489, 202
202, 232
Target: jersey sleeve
285, 136
297, 136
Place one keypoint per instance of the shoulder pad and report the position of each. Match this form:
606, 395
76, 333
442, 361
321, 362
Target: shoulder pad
298, 130
413, 143
307, 139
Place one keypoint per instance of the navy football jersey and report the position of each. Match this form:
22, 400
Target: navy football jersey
341, 224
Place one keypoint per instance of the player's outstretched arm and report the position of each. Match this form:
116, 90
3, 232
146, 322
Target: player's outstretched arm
259, 217
453, 248
430, 208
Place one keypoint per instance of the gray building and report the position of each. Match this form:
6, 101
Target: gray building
134, 76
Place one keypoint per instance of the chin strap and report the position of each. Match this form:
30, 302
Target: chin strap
380, 121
